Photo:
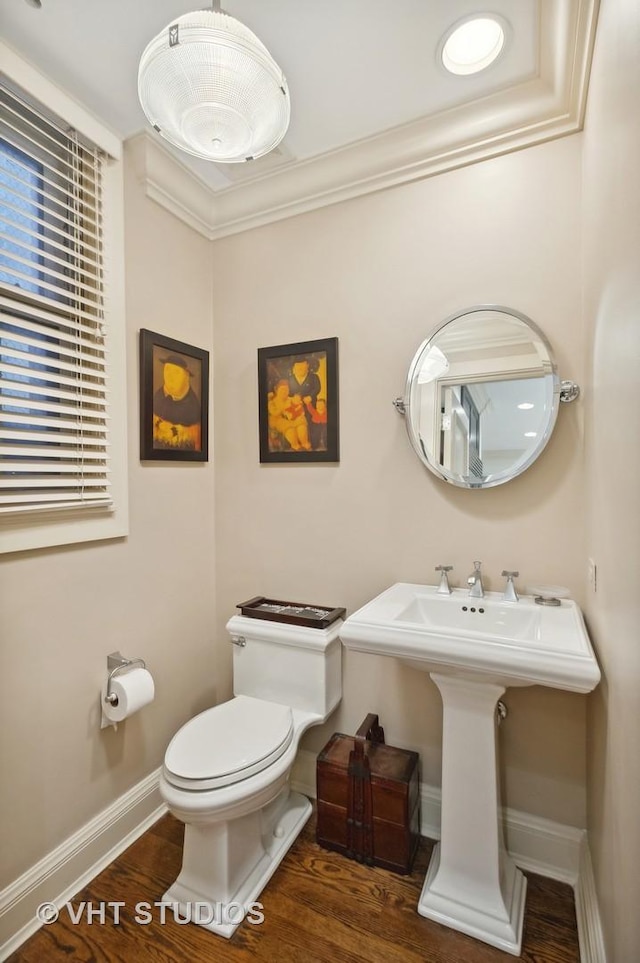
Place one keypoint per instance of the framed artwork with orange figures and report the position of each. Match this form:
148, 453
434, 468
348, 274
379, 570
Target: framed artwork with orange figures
174, 400
298, 402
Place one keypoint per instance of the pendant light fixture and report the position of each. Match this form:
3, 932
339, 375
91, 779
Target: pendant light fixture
211, 88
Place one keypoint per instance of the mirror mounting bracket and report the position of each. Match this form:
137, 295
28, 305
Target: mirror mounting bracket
569, 391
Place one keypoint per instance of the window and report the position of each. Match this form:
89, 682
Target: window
56, 429
20, 193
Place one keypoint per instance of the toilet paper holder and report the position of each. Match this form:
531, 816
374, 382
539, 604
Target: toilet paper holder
116, 663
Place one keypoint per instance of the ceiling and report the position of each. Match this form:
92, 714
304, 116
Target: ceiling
371, 105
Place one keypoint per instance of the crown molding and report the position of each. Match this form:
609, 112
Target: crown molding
170, 183
545, 107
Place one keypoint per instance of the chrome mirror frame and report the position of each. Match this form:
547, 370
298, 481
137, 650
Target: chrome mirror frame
555, 392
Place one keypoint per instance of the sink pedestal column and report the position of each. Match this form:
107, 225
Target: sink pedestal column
472, 884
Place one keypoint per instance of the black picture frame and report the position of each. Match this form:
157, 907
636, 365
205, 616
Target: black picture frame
173, 428
299, 427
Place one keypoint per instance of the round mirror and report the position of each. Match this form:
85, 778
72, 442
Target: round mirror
482, 397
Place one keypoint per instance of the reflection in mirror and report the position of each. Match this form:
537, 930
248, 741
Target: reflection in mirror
482, 397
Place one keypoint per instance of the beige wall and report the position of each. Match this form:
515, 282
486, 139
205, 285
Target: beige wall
62, 611
612, 301
379, 272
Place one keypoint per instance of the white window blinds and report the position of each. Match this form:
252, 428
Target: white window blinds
54, 445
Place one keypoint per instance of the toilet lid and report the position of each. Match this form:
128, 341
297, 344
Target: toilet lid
228, 743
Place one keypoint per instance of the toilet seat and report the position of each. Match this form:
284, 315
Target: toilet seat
228, 743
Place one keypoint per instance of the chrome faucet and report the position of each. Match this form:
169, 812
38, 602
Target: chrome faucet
510, 594
444, 588
476, 588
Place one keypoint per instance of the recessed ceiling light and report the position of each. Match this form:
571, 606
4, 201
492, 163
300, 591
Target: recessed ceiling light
471, 45
526, 406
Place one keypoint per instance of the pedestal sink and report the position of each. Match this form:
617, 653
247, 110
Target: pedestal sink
473, 649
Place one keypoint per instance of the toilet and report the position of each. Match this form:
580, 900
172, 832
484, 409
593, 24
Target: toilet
226, 771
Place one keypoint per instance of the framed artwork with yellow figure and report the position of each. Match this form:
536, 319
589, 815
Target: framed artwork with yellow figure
174, 400
298, 402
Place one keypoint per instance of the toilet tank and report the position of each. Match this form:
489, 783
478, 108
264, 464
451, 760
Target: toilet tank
297, 666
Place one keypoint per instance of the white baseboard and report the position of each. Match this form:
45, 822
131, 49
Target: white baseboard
538, 845
61, 874
589, 925
543, 846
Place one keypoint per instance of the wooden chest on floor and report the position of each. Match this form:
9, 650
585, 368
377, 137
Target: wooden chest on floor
369, 799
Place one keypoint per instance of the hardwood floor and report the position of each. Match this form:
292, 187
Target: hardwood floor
318, 908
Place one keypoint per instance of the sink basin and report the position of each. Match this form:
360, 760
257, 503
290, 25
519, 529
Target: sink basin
514, 643
473, 650
484, 618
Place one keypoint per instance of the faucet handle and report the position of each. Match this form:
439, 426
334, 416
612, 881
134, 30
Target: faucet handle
444, 588
510, 593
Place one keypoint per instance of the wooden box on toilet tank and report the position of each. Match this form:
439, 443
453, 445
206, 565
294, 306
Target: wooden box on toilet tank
369, 798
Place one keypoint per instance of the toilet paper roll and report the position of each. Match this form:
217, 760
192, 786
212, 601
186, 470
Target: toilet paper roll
134, 689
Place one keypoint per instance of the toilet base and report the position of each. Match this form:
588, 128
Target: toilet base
226, 865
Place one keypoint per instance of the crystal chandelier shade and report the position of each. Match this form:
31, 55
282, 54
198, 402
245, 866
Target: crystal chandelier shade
211, 88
